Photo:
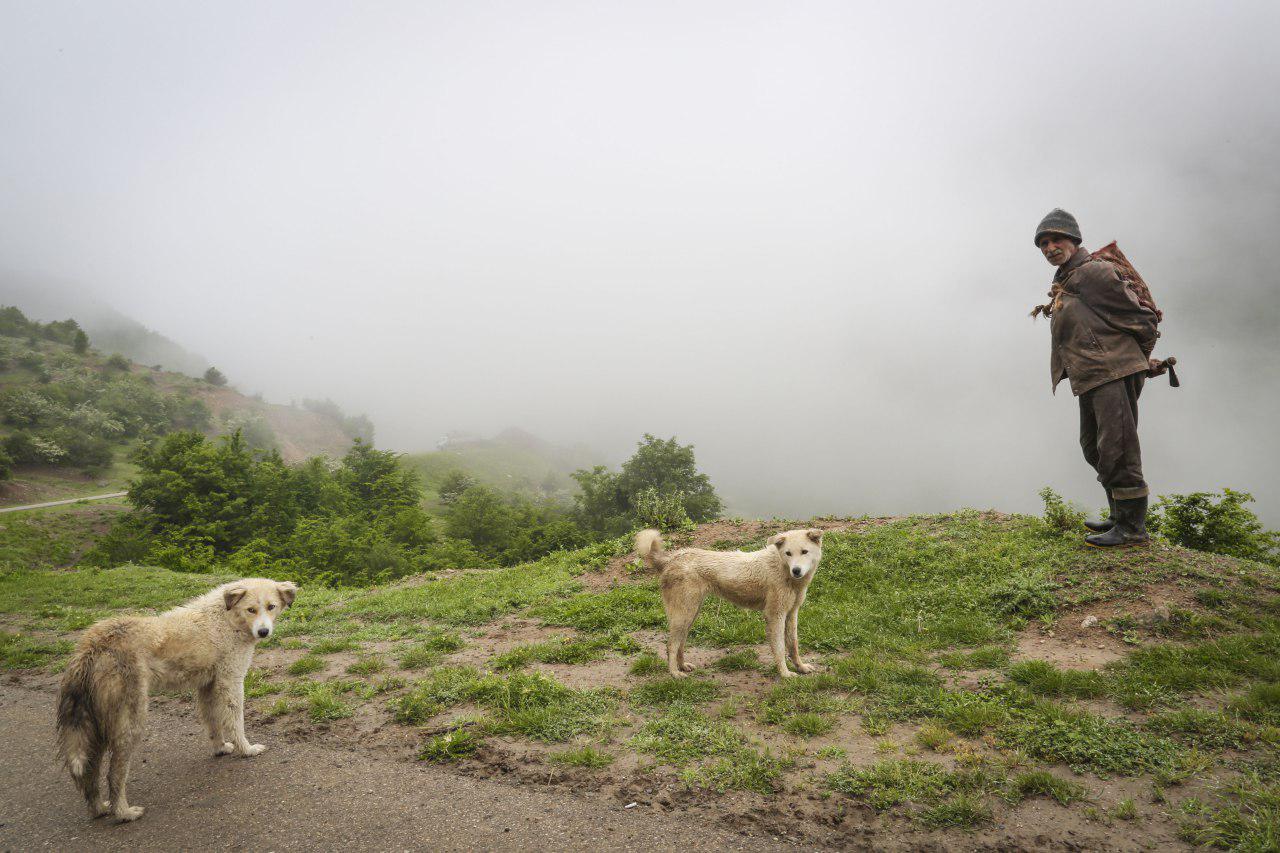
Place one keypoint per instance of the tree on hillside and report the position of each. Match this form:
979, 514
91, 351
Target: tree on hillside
81, 342
662, 472
214, 376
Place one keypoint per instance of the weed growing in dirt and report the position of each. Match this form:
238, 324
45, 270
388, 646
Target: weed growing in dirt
428, 652
1261, 704
440, 689
306, 665
1154, 674
934, 736
1085, 741
743, 770
256, 684
962, 811
369, 665
324, 704
682, 734
648, 664
1042, 783
1208, 730
890, 782
450, 746
1124, 810
586, 756
808, 724
744, 659
332, 645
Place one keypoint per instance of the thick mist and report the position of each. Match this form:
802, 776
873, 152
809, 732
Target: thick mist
798, 236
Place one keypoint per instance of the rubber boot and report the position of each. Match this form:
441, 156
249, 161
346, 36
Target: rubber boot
1130, 527
1104, 524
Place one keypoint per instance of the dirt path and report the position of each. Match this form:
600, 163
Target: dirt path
62, 502
302, 796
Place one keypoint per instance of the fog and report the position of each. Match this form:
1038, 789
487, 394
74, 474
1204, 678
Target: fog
796, 235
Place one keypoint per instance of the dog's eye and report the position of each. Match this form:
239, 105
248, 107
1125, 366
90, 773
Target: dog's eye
788, 553
253, 610
271, 607
804, 550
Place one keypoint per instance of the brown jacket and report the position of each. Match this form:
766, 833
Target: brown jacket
1099, 331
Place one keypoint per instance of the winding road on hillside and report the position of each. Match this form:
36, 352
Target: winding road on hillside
303, 796
62, 502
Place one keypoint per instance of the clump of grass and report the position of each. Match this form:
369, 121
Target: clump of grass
1042, 783
890, 782
744, 659
988, 657
1124, 810
831, 753
808, 724
450, 746
370, 665
332, 645
1045, 679
324, 705
1260, 704
280, 707
665, 692
648, 664
742, 769
934, 736
441, 688
962, 811
1153, 674
586, 756
428, 652
306, 665
256, 684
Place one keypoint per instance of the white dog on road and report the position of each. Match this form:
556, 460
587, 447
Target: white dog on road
773, 580
205, 645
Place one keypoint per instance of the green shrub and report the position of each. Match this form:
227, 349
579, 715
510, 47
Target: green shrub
1219, 524
1060, 516
450, 746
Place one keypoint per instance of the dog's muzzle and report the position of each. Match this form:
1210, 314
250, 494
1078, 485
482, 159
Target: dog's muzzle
797, 572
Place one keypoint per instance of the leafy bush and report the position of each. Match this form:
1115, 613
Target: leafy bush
663, 511
214, 376
1060, 515
1219, 524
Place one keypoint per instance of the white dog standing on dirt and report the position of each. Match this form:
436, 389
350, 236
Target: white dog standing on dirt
205, 645
773, 580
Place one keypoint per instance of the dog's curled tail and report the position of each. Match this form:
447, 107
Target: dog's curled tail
649, 549
80, 737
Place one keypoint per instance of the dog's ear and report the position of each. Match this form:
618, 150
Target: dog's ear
778, 541
231, 597
288, 591
815, 536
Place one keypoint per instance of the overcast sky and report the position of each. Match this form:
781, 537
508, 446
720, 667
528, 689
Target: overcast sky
797, 235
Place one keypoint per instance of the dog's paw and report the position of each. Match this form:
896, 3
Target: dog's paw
675, 673
102, 809
806, 668
687, 667
131, 813
226, 749
786, 673
253, 749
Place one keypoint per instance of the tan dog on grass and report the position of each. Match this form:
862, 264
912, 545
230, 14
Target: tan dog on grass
773, 580
205, 645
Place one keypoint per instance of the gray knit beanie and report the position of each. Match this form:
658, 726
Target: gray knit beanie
1058, 221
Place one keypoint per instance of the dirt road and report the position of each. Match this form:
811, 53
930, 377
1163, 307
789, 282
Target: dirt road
63, 502
302, 796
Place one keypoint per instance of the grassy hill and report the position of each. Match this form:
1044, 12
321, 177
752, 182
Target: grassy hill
70, 414
983, 681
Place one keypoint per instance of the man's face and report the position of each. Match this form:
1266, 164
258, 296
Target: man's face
1057, 248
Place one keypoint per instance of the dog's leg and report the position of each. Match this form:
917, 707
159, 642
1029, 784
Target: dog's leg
89, 786
793, 641
124, 740
207, 703
235, 706
682, 605
775, 624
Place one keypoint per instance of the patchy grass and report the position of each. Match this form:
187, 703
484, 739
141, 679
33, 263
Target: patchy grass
891, 782
565, 650
665, 692
430, 651
333, 645
1086, 741
988, 657
808, 724
18, 651
1044, 679
306, 665
1246, 818
648, 664
744, 659
450, 746
368, 665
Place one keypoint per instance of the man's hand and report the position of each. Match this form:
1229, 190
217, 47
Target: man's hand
1156, 367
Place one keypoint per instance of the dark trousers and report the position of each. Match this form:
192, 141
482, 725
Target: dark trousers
1109, 436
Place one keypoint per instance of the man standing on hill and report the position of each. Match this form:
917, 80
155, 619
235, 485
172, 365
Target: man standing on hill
1101, 341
